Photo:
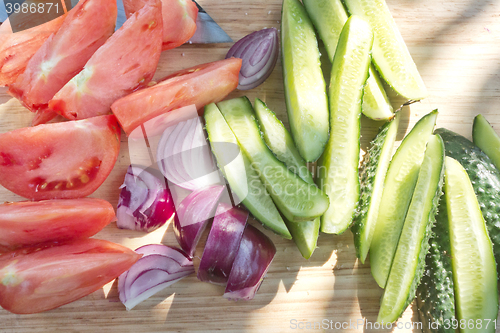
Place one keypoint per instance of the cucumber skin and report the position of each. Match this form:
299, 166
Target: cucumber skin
436, 293
485, 179
369, 168
309, 124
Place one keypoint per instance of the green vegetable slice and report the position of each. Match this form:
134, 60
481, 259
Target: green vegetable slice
485, 137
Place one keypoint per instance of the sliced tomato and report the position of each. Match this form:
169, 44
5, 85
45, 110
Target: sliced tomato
200, 85
61, 160
179, 19
29, 223
40, 279
86, 27
16, 49
125, 63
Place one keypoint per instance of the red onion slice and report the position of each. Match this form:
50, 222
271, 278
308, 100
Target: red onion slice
222, 244
194, 213
254, 257
259, 52
145, 202
160, 267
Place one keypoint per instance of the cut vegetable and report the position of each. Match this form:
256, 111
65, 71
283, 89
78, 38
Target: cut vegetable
374, 169
390, 54
254, 257
160, 267
279, 141
398, 190
474, 268
193, 215
259, 52
242, 178
338, 166
296, 199
485, 137
305, 94
222, 244
329, 17
409, 261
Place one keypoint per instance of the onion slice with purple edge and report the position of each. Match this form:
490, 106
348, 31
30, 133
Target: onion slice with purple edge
222, 244
193, 215
259, 52
254, 257
160, 267
184, 157
145, 202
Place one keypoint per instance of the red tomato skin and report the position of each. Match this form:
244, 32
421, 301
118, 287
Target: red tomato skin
61, 160
64, 54
179, 20
38, 279
125, 63
30, 223
16, 49
199, 85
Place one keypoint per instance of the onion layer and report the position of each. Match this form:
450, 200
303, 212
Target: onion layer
259, 52
145, 202
193, 215
222, 244
160, 267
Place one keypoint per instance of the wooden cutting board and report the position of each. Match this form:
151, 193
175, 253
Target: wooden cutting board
456, 45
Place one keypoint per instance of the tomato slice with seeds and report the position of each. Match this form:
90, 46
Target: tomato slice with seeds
60, 160
35, 222
43, 278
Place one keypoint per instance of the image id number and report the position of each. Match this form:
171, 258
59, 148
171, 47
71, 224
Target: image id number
469, 324
33, 8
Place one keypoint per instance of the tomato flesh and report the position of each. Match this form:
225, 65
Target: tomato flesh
86, 27
125, 63
38, 279
61, 160
179, 19
29, 223
200, 85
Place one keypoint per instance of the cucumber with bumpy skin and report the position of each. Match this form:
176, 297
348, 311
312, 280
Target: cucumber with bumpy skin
244, 181
374, 168
390, 54
338, 166
485, 137
485, 179
279, 141
398, 190
409, 261
329, 17
296, 199
305, 93
473, 263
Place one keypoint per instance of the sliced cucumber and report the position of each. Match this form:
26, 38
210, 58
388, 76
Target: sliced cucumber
390, 54
279, 141
398, 189
305, 92
485, 137
244, 181
374, 168
338, 166
474, 268
409, 261
329, 17
296, 199
435, 294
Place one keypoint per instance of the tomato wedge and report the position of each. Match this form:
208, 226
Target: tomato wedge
125, 63
16, 49
29, 223
200, 85
86, 27
40, 279
179, 19
61, 160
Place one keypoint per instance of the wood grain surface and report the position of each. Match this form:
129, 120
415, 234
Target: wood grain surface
456, 45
